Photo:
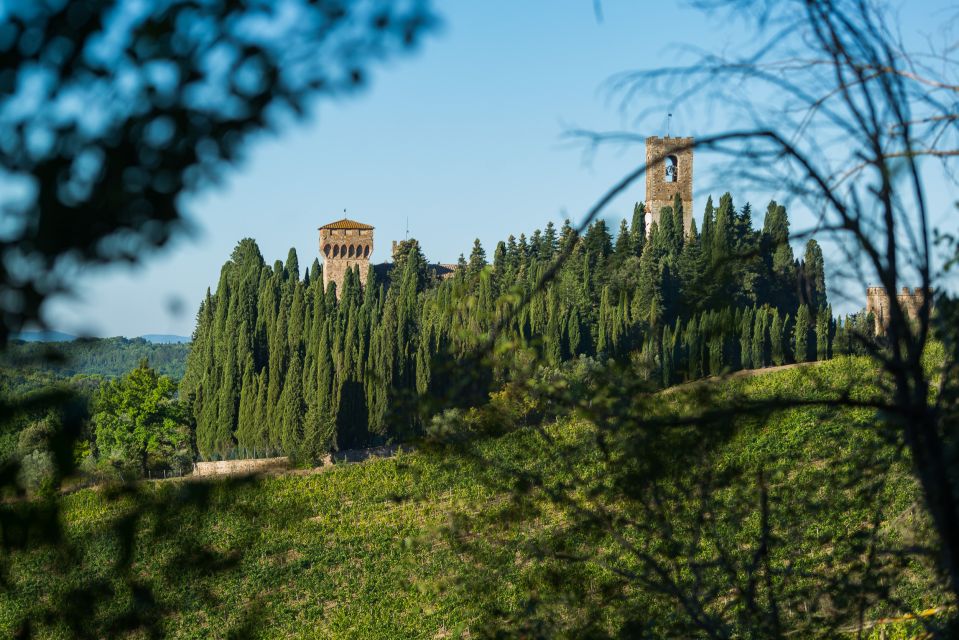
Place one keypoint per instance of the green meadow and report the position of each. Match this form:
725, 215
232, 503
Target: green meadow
435, 544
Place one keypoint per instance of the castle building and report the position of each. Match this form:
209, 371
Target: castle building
877, 303
669, 172
345, 244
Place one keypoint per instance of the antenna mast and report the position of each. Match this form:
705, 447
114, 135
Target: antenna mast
407, 227
669, 118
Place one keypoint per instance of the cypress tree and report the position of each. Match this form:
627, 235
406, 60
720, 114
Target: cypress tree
779, 257
776, 345
746, 339
553, 340
692, 271
814, 278
715, 343
786, 341
694, 349
823, 319
292, 266
759, 339
292, 408
603, 337
648, 301
574, 334
637, 229
668, 361
246, 421
679, 228
261, 441
706, 237
801, 336
276, 376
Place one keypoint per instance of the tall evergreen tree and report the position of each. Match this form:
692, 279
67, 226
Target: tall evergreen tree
746, 339
801, 335
637, 228
776, 346
477, 259
814, 278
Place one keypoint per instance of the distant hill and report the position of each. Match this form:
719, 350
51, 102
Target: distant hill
165, 338
110, 357
43, 336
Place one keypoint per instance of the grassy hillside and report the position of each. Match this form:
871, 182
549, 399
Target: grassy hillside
428, 546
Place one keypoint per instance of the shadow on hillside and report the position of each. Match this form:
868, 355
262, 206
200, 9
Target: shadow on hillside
718, 510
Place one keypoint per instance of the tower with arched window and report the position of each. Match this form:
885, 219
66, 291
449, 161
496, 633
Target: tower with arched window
345, 244
669, 171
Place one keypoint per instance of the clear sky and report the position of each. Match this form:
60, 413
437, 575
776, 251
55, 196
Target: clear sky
463, 139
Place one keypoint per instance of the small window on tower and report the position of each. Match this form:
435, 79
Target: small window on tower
671, 169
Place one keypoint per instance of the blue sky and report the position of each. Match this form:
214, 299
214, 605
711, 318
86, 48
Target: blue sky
463, 138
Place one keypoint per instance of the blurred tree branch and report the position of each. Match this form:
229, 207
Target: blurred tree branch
113, 110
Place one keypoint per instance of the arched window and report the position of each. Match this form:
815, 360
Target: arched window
336, 251
352, 251
342, 250
326, 250
366, 251
672, 169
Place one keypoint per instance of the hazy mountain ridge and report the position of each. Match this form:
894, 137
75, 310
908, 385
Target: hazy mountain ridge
60, 336
109, 357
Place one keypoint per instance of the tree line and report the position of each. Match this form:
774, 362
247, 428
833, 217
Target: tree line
281, 365
110, 357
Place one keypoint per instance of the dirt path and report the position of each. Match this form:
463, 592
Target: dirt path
743, 373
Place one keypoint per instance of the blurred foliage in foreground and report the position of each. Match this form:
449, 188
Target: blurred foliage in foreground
498, 534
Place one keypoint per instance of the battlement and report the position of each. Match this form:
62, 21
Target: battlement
345, 244
877, 303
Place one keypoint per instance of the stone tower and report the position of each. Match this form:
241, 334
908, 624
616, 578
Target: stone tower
877, 303
345, 244
669, 171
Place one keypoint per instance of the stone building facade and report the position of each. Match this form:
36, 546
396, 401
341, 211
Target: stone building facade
345, 244
877, 303
669, 171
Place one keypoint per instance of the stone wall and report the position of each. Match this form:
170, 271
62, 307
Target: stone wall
240, 467
344, 249
660, 188
877, 303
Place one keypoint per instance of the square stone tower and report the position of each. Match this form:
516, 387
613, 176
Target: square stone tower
669, 171
877, 303
345, 244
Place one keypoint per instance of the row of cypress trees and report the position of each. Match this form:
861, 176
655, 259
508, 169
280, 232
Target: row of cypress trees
280, 365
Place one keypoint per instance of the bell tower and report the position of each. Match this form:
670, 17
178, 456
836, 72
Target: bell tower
345, 244
669, 171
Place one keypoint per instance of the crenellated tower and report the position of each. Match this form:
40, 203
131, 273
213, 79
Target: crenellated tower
345, 244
